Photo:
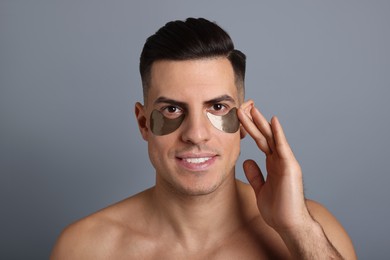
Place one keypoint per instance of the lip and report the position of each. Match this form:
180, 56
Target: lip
205, 161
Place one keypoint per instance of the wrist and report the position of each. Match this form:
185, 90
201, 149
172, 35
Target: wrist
308, 241
299, 227
293, 221
306, 228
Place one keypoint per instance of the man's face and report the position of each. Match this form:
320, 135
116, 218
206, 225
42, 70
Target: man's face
197, 157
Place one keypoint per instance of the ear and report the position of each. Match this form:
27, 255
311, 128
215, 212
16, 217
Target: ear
247, 107
141, 119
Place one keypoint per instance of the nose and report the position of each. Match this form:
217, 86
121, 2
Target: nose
196, 128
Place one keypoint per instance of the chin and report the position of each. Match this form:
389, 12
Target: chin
198, 188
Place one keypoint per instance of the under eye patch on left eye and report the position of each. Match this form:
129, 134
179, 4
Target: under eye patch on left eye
161, 125
228, 123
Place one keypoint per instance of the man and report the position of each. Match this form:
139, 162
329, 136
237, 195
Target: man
193, 118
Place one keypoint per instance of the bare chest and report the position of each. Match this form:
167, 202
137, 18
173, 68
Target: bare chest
243, 245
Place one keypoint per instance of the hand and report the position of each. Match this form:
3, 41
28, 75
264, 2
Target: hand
280, 197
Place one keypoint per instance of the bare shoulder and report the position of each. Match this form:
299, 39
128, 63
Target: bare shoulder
102, 234
332, 228
81, 239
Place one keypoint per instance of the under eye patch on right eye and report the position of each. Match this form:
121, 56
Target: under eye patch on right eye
161, 125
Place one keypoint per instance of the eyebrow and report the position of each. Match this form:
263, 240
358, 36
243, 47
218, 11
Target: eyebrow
170, 101
219, 99
184, 105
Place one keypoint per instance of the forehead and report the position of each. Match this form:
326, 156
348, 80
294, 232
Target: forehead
192, 80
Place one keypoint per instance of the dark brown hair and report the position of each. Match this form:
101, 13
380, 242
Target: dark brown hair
188, 40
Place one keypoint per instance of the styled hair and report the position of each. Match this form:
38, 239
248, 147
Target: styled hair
194, 38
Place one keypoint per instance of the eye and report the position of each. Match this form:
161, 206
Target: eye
218, 109
171, 111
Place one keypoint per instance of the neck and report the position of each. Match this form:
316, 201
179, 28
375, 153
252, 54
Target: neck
202, 218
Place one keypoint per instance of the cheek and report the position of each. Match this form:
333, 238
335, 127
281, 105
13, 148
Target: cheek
237, 143
154, 146
158, 149
230, 143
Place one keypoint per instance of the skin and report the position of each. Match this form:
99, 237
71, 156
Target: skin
201, 211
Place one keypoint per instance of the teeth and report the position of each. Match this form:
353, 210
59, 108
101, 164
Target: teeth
197, 160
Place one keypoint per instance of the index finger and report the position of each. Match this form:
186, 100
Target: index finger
254, 131
283, 149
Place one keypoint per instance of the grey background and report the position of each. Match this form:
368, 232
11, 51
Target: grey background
69, 144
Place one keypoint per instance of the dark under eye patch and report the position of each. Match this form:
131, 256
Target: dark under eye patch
160, 125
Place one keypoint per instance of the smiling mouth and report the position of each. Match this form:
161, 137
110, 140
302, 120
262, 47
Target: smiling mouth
196, 160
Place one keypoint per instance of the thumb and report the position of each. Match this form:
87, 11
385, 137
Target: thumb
254, 175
